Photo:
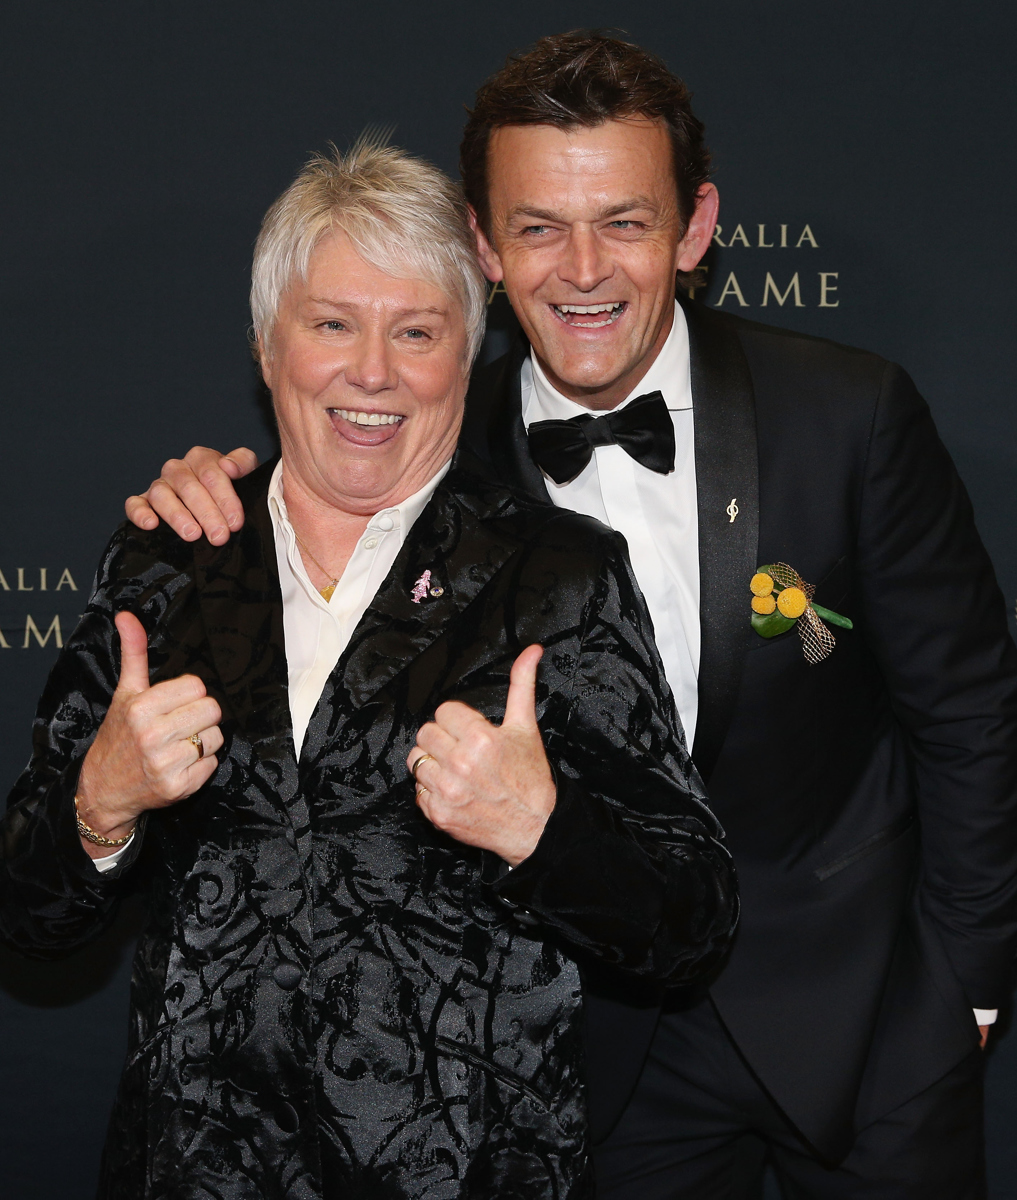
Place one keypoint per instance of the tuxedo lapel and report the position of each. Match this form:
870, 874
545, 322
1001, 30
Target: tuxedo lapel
509, 449
727, 477
395, 629
241, 607
727, 485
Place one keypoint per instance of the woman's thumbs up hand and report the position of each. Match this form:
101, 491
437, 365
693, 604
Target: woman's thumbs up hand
143, 755
483, 784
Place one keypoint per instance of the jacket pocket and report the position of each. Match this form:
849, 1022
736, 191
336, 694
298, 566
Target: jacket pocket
871, 844
474, 1058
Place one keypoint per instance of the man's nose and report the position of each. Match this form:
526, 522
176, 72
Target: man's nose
371, 367
584, 265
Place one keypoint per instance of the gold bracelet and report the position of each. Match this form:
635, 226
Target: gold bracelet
97, 839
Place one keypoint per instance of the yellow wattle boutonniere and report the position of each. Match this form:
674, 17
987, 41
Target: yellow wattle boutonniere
781, 598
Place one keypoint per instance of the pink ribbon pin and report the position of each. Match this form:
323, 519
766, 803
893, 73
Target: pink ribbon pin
421, 587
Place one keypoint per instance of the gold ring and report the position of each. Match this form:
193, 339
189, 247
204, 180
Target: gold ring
198, 744
422, 759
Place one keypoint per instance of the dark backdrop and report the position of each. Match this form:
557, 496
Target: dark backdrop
143, 142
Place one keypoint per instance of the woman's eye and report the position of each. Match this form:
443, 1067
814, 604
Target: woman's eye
416, 334
333, 326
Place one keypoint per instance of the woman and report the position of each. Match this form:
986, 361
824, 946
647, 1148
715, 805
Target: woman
342, 992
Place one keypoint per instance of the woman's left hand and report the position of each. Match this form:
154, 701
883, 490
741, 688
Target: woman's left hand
488, 785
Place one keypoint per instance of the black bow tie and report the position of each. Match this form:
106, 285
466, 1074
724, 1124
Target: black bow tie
642, 429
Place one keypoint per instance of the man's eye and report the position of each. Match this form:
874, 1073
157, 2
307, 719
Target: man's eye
623, 224
536, 230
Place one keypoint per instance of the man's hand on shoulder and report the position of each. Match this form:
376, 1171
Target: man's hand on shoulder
194, 495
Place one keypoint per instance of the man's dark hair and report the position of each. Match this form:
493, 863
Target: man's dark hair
578, 79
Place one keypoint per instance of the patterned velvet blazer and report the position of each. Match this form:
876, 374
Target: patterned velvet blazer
332, 997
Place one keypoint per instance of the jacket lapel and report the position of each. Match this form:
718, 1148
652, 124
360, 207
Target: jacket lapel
396, 629
241, 607
494, 428
727, 478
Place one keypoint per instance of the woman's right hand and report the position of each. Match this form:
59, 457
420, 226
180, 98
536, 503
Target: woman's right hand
194, 495
143, 756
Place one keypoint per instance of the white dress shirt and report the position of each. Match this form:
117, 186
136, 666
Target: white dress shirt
316, 631
657, 514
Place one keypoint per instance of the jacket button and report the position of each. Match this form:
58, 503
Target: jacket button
287, 975
286, 1118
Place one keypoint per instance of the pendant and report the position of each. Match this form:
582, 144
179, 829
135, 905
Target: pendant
326, 592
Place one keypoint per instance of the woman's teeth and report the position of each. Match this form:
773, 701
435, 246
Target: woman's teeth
569, 312
362, 418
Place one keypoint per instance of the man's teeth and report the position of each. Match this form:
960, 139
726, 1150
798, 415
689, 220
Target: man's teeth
363, 418
612, 313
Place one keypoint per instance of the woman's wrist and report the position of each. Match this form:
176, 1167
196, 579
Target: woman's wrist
104, 817
101, 824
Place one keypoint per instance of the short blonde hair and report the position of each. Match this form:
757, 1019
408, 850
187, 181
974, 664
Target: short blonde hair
403, 215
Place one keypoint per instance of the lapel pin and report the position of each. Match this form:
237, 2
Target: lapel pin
732, 509
421, 587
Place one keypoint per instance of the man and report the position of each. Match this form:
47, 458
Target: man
869, 793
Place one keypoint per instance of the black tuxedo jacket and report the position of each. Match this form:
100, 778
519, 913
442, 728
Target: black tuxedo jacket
870, 801
332, 996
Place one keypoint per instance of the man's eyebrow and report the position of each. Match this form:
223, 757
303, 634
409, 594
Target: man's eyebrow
614, 210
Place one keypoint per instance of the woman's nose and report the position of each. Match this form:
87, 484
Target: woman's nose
370, 367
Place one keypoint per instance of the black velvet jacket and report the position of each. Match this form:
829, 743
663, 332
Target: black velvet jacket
333, 998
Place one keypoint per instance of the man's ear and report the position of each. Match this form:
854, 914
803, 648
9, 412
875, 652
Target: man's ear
490, 263
699, 234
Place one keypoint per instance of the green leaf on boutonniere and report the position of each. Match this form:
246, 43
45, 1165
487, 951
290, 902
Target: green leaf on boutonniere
773, 625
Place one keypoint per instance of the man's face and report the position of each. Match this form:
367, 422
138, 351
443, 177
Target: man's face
586, 235
368, 374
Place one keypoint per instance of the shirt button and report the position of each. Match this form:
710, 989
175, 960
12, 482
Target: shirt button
370, 543
385, 524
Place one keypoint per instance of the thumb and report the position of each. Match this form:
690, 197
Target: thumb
133, 653
239, 462
521, 706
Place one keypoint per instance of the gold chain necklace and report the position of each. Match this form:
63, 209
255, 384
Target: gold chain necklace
330, 587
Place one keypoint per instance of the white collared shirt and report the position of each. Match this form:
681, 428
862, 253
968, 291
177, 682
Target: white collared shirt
657, 514
316, 630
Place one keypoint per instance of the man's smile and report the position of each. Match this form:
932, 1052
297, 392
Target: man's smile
589, 316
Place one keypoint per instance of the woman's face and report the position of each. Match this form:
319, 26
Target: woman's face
368, 376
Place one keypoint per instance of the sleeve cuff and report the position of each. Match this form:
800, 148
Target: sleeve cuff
109, 861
